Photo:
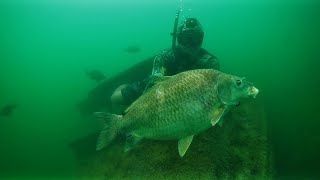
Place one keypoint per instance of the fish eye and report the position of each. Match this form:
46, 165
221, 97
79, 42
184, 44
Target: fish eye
238, 82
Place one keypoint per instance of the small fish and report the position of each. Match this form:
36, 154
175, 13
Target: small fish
7, 110
177, 108
132, 49
95, 75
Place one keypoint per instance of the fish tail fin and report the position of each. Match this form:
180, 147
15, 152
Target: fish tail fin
110, 130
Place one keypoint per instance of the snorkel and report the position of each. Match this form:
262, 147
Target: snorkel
174, 33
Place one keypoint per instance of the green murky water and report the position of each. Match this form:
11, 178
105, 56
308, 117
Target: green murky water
46, 47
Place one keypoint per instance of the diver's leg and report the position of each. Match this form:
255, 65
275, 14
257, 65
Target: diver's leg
117, 97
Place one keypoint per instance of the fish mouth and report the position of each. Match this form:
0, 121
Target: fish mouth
253, 92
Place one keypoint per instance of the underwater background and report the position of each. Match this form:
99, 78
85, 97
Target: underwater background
47, 46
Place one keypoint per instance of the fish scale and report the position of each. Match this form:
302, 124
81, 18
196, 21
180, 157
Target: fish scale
178, 107
180, 90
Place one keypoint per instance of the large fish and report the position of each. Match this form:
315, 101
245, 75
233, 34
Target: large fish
177, 107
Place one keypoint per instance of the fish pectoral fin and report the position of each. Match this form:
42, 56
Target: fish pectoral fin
131, 141
184, 144
216, 116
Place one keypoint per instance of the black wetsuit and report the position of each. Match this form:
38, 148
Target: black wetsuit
170, 62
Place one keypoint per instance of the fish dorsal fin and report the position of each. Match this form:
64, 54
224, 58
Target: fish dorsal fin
217, 114
184, 144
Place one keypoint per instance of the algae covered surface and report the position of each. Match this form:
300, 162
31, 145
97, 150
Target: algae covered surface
237, 149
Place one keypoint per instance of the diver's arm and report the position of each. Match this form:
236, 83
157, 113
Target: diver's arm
213, 63
160, 63
209, 61
158, 70
158, 66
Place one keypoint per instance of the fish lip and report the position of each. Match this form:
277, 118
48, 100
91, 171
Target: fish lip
253, 92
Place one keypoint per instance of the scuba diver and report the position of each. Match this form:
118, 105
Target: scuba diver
187, 55
115, 94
